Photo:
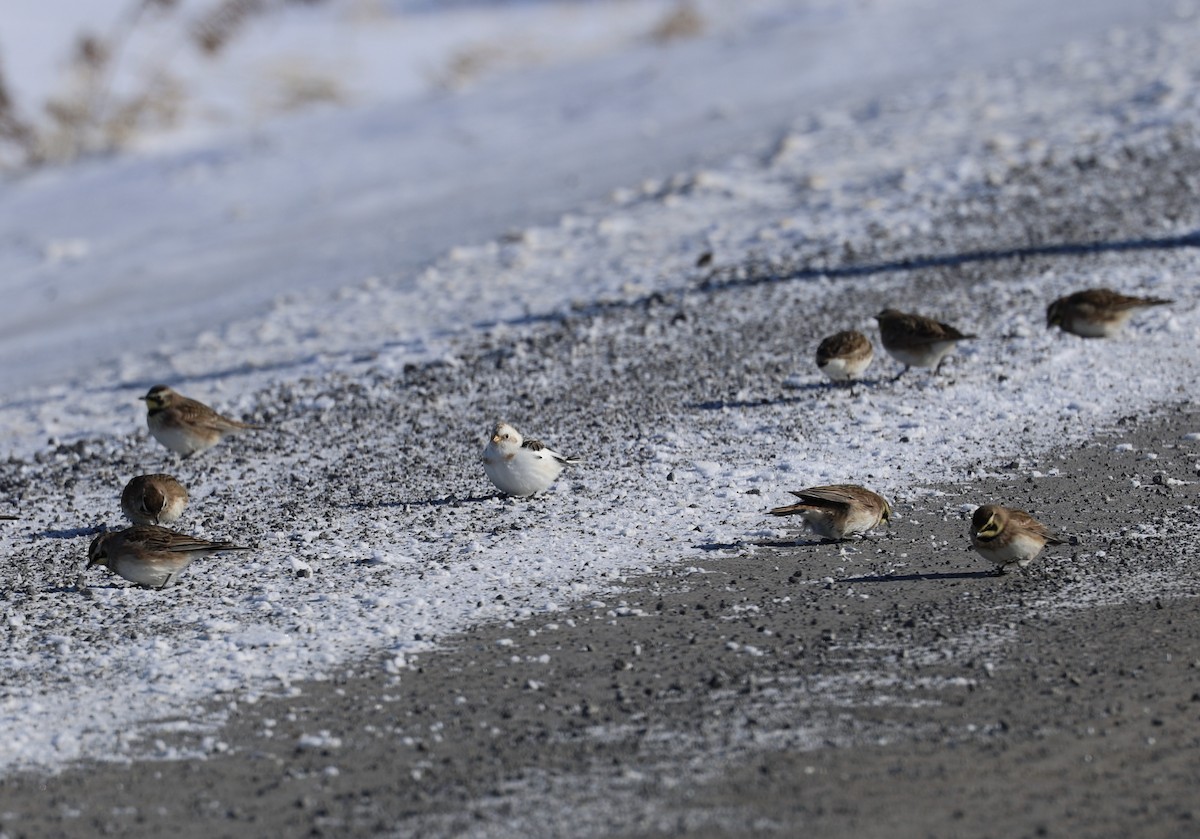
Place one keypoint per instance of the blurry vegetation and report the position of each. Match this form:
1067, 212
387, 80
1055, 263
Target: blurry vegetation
469, 63
683, 21
89, 116
298, 85
93, 114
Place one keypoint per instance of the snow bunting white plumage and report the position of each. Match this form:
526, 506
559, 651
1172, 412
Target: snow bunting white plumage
520, 467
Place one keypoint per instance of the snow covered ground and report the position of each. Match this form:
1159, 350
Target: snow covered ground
379, 284
177, 244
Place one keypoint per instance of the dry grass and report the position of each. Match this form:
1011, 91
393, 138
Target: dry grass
470, 63
213, 31
88, 116
15, 133
467, 65
296, 85
682, 22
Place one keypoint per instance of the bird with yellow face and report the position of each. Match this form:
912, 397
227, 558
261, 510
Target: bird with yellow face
1009, 537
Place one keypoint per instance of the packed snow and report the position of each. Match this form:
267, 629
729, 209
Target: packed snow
376, 532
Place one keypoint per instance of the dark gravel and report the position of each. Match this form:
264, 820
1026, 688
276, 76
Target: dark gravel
939, 701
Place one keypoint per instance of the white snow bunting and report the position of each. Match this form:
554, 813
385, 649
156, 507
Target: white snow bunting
520, 467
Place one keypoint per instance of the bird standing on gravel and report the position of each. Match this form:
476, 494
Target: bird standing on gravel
1009, 537
184, 425
520, 467
151, 556
1096, 312
839, 511
845, 356
153, 499
915, 340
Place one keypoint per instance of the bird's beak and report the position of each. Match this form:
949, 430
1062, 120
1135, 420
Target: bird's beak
495, 438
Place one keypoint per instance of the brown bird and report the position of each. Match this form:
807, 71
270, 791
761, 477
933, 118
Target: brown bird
149, 555
153, 499
1009, 537
844, 356
1096, 312
184, 425
839, 511
915, 340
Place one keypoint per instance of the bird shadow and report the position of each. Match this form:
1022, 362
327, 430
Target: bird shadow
244, 369
74, 532
782, 544
803, 391
838, 387
64, 589
914, 578
448, 501
736, 276
113, 585
711, 547
741, 404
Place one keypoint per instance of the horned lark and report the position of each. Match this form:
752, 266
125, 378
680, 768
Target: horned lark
845, 356
1096, 312
153, 499
1009, 537
184, 425
839, 511
149, 555
917, 341
520, 467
